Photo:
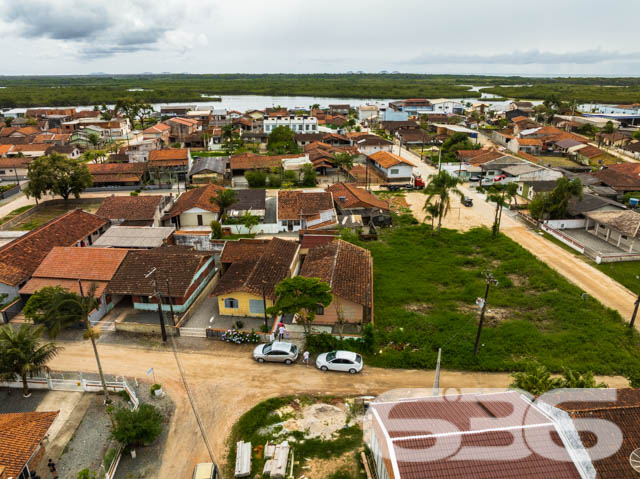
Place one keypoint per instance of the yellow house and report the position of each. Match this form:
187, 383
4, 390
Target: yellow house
252, 275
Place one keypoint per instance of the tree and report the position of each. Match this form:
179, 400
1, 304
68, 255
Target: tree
282, 140
216, 230
432, 210
554, 204
93, 139
94, 156
309, 175
636, 135
7, 121
22, 354
344, 161
302, 296
457, 141
501, 195
250, 221
439, 190
58, 175
256, 178
138, 427
574, 379
48, 307
143, 112
608, 127
224, 199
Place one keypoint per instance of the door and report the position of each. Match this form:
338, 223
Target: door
200, 223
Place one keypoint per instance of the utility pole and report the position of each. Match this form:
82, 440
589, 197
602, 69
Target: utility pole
264, 307
159, 298
489, 280
436, 381
173, 318
440, 159
635, 312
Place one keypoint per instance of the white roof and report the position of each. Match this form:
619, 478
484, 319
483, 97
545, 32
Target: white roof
530, 131
281, 346
346, 355
134, 237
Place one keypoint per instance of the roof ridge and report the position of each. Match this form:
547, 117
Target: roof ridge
605, 408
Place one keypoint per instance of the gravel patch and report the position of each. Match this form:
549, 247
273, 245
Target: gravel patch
147, 463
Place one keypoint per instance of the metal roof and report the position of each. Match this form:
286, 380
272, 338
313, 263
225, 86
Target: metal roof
134, 237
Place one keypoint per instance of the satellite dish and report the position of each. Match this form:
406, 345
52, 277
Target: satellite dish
634, 460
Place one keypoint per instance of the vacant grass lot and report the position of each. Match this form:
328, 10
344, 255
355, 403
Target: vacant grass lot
556, 160
425, 291
47, 213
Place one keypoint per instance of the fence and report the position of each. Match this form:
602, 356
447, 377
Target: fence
10, 192
564, 238
11, 310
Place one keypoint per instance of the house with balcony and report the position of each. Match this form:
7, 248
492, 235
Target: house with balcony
299, 124
305, 210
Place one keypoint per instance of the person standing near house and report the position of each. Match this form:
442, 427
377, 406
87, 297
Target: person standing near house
305, 358
281, 331
52, 468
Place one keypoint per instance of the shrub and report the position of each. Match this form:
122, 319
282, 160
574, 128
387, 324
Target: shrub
256, 178
216, 230
275, 180
134, 193
137, 427
108, 458
154, 388
238, 337
86, 474
237, 324
323, 342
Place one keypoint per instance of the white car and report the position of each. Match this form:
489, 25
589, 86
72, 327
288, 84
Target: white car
344, 361
206, 470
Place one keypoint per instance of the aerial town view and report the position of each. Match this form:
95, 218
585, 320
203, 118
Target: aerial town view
341, 241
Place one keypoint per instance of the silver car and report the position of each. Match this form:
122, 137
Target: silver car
345, 361
277, 351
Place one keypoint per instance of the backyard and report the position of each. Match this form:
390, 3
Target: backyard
556, 161
48, 212
324, 433
533, 313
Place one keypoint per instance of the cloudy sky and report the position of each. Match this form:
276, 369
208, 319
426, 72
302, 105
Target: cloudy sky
587, 37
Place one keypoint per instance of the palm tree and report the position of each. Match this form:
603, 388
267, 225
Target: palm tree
93, 139
504, 194
432, 213
21, 353
224, 199
344, 161
439, 190
80, 307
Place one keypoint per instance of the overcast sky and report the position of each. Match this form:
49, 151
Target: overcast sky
255, 36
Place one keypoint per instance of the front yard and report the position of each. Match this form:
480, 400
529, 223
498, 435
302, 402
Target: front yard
425, 291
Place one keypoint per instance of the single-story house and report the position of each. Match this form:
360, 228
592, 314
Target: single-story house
136, 237
528, 189
621, 228
392, 166
14, 169
67, 267
350, 200
175, 160
577, 208
194, 208
145, 210
248, 201
239, 164
590, 155
348, 270
567, 145
208, 169
23, 444
117, 174
415, 137
623, 177
533, 146
250, 280
370, 144
305, 210
181, 275
22, 256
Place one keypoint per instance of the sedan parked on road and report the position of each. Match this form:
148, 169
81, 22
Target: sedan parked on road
278, 351
344, 361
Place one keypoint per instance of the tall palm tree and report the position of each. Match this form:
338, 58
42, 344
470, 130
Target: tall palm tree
22, 354
224, 199
432, 213
81, 306
503, 195
439, 190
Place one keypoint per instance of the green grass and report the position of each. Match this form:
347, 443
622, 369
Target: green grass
15, 213
556, 161
624, 273
426, 286
264, 414
47, 213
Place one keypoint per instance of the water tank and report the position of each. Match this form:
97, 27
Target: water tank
634, 202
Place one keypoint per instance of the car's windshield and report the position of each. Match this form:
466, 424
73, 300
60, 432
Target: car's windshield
266, 349
331, 356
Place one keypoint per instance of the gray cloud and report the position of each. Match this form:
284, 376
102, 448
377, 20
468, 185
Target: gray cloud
530, 57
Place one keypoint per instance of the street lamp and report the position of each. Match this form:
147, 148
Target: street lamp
490, 280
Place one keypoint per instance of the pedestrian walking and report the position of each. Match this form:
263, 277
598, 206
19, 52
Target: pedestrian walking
281, 331
52, 468
305, 358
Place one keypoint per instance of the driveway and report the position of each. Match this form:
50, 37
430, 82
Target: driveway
226, 382
597, 284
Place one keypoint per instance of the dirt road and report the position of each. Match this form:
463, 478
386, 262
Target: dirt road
602, 287
226, 382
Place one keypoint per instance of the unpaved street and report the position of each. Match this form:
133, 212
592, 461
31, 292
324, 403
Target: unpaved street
226, 382
602, 287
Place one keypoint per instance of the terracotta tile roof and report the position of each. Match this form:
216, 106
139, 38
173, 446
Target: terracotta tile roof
347, 268
529, 142
178, 264
623, 412
589, 151
466, 154
486, 157
21, 434
371, 140
294, 204
30, 147
519, 118
529, 157
311, 240
5, 149
169, 157
157, 128
355, 197
249, 161
117, 172
453, 422
130, 208
623, 176
14, 161
183, 121
270, 268
196, 198
387, 160
22, 256
243, 250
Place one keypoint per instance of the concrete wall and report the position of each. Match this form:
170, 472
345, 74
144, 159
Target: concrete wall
566, 224
190, 217
144, 328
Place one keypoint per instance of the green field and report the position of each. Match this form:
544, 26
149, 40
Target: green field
92, 90
425, 289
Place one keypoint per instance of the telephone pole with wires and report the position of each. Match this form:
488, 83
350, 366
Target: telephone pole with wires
490, 280
159, 299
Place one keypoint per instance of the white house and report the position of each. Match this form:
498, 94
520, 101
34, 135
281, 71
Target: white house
366, 112
299, 124
444, 105
392, 166
370, 144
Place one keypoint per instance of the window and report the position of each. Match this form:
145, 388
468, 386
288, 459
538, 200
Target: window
231, 303
394, 171
320, 310
200, 223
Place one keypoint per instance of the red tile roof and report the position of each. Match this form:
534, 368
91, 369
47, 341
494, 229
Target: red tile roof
590, 151
196, 198
387, 159
345, 267
355, 197
294, 204
157, 128
311, 240
22, 256
169, 157
243, 250
250, 161
623, 176
21, 435
130, 208
117, 172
